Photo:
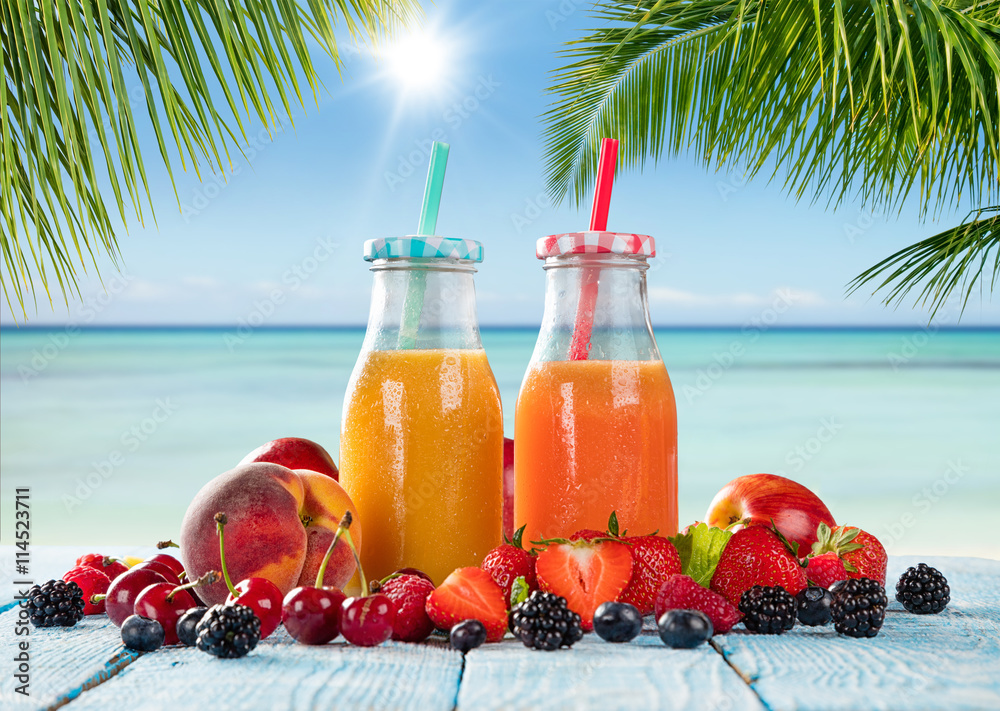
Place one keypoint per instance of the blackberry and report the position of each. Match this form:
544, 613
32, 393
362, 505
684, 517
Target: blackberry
814, 605
228, 631
768, 610
55, 604
923, 590
858, 608
544, 622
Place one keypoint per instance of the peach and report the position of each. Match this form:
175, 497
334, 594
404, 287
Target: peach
280, 525
295, 453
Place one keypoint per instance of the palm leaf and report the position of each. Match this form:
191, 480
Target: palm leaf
69, 124
877, 101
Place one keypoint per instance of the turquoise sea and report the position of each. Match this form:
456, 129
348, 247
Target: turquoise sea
114, 430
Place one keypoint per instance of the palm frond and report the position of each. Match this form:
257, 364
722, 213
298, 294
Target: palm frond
850, 99
69, 123
936, 267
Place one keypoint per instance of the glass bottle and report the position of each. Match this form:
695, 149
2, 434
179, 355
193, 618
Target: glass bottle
421, 446
596, 422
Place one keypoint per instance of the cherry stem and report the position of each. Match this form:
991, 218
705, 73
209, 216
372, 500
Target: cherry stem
357, 560
94, 599
345, 523
208, 578
166, 544
220, 524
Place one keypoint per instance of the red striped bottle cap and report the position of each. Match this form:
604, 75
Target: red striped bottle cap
594, 242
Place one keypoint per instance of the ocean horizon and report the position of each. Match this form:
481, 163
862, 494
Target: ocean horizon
116, 427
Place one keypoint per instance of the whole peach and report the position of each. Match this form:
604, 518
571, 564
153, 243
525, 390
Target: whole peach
295, 453
277, 520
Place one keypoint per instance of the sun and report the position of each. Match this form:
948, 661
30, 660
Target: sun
418, 62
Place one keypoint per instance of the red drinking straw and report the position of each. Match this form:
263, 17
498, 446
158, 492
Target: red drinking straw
580, 347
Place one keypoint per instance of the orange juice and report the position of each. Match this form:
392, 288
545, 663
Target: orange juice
592, 437
421, 456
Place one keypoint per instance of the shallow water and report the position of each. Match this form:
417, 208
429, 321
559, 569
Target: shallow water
115, 430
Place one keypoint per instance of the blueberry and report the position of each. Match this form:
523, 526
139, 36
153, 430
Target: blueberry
468, 635
187, 625
684, 629
142, 633
617, 622
814, 606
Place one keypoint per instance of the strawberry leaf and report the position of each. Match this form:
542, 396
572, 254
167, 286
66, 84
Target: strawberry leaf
613, 523
518, 591
518, 536
792, 546
700, 550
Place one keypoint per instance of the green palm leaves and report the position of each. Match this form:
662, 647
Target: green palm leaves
201, 71
847, 98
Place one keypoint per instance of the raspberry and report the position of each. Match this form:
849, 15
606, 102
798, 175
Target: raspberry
92, 582
409, 593
681, 592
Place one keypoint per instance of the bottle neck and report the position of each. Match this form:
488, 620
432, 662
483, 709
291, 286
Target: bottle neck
609, 290
423, 304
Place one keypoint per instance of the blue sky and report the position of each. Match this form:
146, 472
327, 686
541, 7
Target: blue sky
295, 217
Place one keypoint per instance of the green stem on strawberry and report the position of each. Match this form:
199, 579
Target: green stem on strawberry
220, 524
208, 578
345, 523
166, 544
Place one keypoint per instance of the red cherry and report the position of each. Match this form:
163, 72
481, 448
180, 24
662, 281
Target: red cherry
169, 561
120, 602
162, 568
312, 615
264, 598
367, 621
157, 603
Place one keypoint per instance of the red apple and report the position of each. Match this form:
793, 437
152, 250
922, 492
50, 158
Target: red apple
295, 453
508, 488
280, 525
796, 510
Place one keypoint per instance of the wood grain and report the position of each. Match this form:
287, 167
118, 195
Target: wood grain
643, 674
946, 661
280, 674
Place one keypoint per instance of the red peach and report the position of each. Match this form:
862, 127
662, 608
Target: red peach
295, 453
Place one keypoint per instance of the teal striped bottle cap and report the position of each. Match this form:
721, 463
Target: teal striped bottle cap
423, 247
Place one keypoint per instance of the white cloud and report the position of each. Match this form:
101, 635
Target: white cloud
795, 297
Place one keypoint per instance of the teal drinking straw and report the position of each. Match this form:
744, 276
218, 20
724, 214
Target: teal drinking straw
413, 302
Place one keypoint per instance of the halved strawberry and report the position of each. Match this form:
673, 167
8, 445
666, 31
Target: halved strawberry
469, 594
585, 573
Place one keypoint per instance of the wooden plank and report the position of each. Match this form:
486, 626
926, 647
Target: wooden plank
643, 674
62, 660
281, 674
945, 661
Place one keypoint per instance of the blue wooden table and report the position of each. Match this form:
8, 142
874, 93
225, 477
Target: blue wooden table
946, 661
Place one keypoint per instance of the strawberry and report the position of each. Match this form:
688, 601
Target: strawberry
509, 561
654, 559
825, 569
93, 582
681, 592
112, 567
755, 555
585, 573
862, 554
588, 534
409, 593
466, 594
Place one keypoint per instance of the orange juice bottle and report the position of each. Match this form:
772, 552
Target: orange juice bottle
595, 429
421, 445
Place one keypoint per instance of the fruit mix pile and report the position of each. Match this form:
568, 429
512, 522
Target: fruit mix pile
768, 556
